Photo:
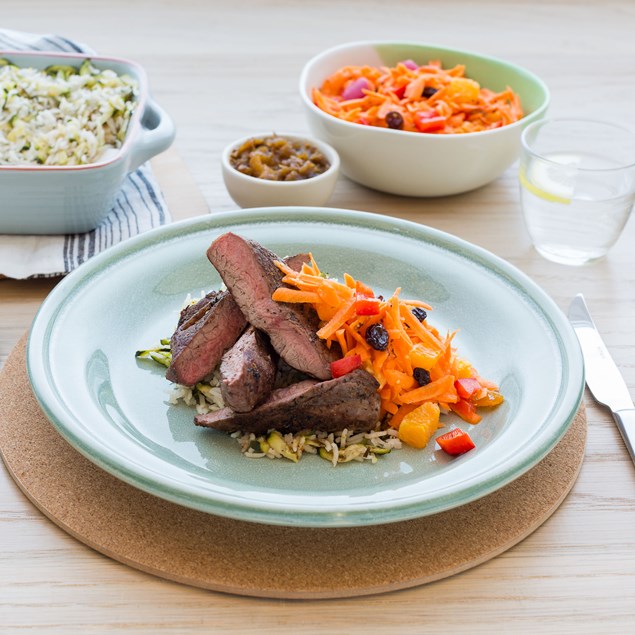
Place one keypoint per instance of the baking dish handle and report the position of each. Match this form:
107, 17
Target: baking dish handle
156, 135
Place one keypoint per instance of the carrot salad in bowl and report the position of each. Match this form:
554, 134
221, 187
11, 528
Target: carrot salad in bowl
419, 374
414, 98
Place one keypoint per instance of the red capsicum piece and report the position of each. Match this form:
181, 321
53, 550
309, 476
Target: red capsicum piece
367, 306
466, 411
345, 365
467, 387
428, 121
365, 301
455, 442
399, 92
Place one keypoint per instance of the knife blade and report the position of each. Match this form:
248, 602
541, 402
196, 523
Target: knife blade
602, 374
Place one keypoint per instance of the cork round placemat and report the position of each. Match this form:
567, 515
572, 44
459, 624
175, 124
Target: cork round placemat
253, 559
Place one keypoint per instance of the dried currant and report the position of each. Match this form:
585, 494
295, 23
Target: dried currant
394, 120
419, 313
428, 91
377, 337
421, 375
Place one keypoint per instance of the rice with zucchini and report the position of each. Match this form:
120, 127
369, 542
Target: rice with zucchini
62, 115
341, 447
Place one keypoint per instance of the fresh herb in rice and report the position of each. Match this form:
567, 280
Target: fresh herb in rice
341, 447
62, 115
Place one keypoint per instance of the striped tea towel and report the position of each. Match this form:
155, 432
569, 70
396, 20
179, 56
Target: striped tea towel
139, 205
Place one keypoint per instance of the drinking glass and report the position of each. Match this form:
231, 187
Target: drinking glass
577, 187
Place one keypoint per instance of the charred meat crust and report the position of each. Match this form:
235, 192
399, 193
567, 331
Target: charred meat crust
248, 371
296, 262
204, 332
248, 270
350, 401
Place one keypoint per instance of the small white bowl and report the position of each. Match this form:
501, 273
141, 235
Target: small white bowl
250, 191
418, 164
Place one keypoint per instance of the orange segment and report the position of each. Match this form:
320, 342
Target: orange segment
422, 357
418, 426
492, 398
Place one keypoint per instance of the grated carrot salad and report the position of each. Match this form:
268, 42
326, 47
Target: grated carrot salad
416, 98
348, 310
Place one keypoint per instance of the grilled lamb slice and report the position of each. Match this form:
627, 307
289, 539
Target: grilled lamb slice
296, 262
248, 371
350, 401
204, 332
286, 375
248, 270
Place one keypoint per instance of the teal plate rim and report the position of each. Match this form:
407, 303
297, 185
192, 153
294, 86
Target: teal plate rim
283, 510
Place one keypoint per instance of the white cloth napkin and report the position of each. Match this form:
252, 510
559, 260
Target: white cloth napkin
138, 207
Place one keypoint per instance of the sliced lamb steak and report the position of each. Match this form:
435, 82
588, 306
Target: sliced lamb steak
296, 262
204, 332
251, 276
287, 375
248, 371
350, 401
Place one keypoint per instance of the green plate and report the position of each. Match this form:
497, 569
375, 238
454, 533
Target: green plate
114, 409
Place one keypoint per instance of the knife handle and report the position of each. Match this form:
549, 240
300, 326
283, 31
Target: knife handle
625, 420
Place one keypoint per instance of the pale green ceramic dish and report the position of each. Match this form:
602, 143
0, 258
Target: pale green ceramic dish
69, 199
114, 409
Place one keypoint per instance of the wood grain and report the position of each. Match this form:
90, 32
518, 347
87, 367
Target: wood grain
224, 70
244, 558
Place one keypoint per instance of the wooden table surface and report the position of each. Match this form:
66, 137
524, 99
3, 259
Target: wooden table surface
226, 69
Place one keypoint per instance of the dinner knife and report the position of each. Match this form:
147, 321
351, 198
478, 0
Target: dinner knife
602, 375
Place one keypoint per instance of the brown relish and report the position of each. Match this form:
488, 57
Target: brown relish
276, 158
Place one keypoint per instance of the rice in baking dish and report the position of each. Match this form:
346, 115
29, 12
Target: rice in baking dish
62, 115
